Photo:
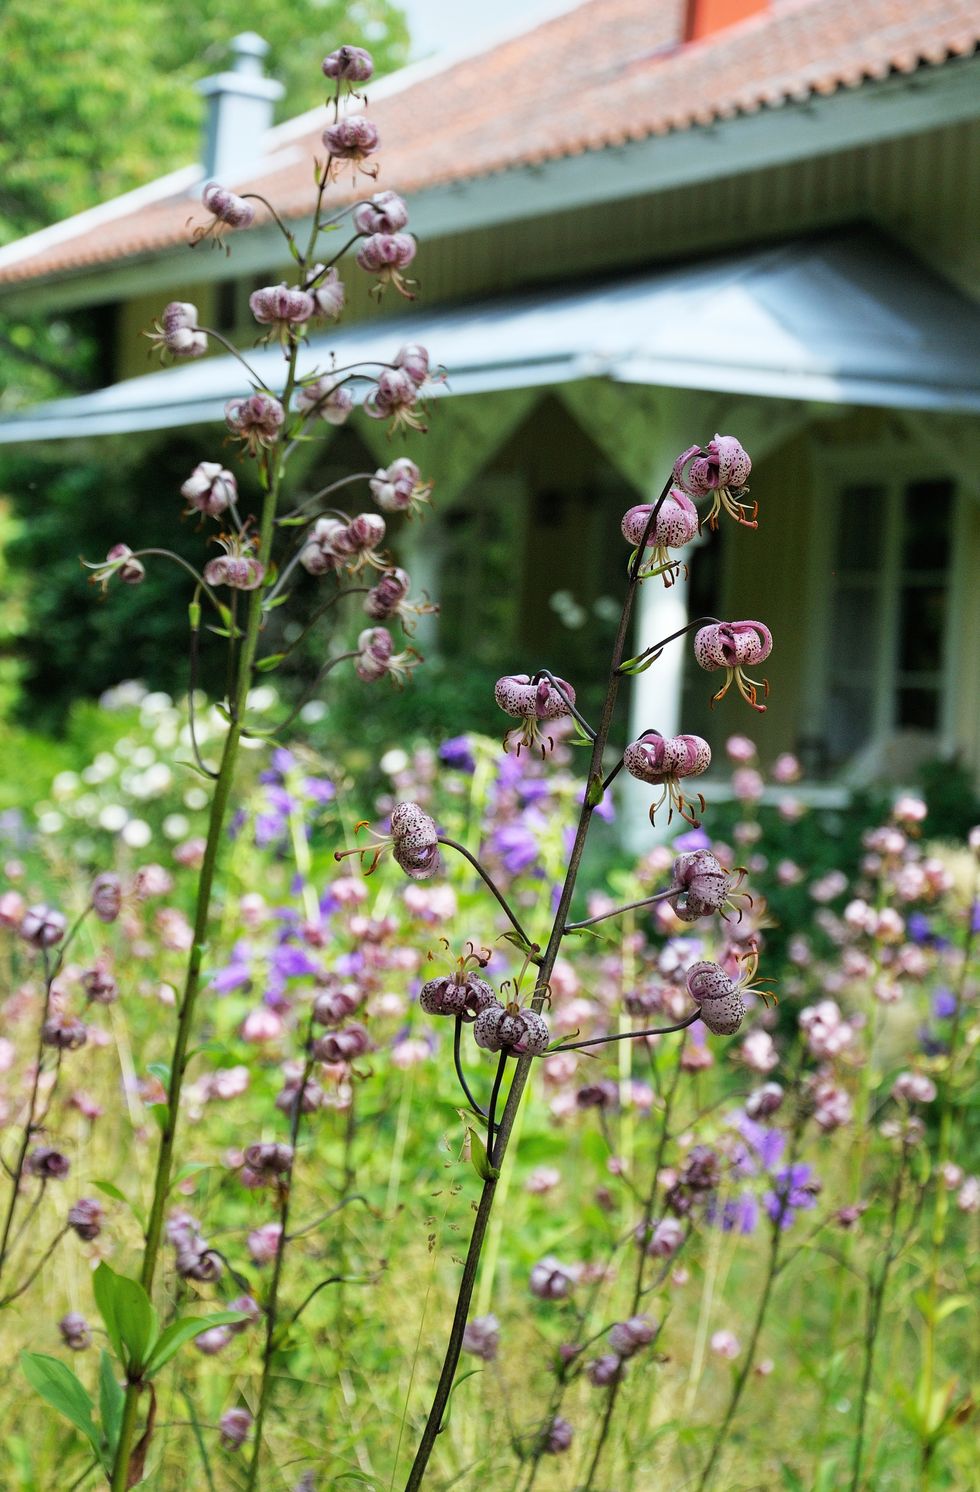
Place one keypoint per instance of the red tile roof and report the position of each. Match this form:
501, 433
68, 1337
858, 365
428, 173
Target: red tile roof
603, 74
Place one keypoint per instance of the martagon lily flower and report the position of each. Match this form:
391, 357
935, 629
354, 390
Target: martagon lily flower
730, 645
720, 995
413, 840
676, 524
704, 886
664, 761
531, 702
722, 469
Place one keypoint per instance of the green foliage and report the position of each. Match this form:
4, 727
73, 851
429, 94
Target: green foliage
101, 99
133, 1327
73, 643
58, 1386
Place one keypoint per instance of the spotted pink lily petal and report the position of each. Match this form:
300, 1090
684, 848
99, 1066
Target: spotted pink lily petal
664, 761
531, 702
730, 645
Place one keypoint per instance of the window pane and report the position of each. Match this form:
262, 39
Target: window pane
860, 535
928, 509
848, 718
922, 622
918, 708
855, 620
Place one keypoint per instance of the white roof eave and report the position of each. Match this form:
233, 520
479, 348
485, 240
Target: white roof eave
842, 319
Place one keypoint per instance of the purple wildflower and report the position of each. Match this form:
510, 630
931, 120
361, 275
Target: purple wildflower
458, 754
793, 1192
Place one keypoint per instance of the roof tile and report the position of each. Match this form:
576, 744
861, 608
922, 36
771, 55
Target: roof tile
600, 75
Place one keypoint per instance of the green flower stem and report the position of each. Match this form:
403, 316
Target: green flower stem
433, 1423
272, 1300
941, 1206
185, 1016
773, 1269
638, 1284
872, 1320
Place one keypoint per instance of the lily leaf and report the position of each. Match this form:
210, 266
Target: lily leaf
58, 1386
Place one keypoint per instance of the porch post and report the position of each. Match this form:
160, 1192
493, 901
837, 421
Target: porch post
655, 696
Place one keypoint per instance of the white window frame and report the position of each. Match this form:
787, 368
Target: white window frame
893, 467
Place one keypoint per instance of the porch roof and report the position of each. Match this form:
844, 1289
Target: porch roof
842, 319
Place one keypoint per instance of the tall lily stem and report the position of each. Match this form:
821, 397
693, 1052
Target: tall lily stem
773, 1268
941, 1204
202, 912
593, 796
32, 1120
638, 1282
873, 1313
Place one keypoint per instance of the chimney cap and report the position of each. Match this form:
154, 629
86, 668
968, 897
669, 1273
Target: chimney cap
246, 76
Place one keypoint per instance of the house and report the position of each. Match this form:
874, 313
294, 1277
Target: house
640, 224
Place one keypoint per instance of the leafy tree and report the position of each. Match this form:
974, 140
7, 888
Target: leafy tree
99, 98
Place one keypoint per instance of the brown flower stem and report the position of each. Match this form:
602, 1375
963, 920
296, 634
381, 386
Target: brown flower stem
319, 614
593, 796
199, 580
357, 476
657, 647
492, 1106
307, 695
631, 906
457, 1063
574, 1046
36, 1270
488, 881
16, 1172
562, 692
325, 1217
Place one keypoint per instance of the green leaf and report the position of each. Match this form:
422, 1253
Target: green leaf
593, 796
173, 1337
138, 1323
105, 1299
791, 1480
478, 1156
111, 1401
191, 1168
110, 1189
129, 1317
161, 1113
950, 1304
449, 1402
19, 1456
181, 761
827, 1478
160, 1070
267, 664
58, 1386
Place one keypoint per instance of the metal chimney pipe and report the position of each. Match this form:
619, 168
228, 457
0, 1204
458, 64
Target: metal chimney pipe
240, 105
